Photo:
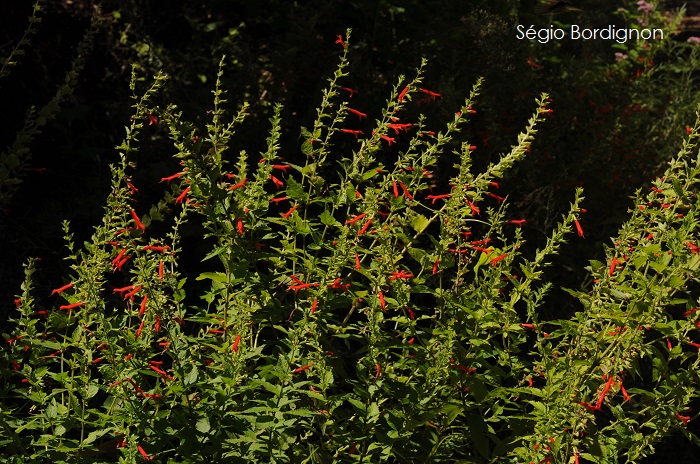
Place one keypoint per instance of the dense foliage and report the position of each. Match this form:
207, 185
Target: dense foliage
402, 283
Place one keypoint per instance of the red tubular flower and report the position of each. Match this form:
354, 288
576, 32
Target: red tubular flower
518, 222
473, 207
481, 249
379, 370
138, 332
303, 368
238, 185
182, 196
613, 264
277, 200
355, 219
340, 41
302, 286
578, 228
128, 356
403, 93
62, 289
156, 369
390, 140
289, 213
68, 307
695, 249
432, 95
314, 305
160, 270
400, 275
398, 127
435, 266
239, 226
278, 183
152, 120
438, 197
359, 114
143, 453
532, 63
156, 248
119, 257
234, 348
349, 90
396, 189
139, 225
353, 132
497, 259
685, 419
365, 227
281, 167
590, 407
625, 395
169, 178
689, 312
608, 384
142, 310
411, 313
493, 195
382, 303
468, 370
121, 263
406, 193
357, 262
131, 293
338, 285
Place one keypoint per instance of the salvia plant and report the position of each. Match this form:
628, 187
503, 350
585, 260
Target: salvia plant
356, 310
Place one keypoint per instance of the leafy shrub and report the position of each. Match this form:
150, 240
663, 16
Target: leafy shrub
355, 309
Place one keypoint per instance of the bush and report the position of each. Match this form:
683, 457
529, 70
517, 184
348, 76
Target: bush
355, 309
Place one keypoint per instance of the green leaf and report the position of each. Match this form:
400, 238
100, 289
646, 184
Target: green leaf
92, 390
203, 425
51, 410
419, 223
452, 410
191, 376
677, 187
217, 251
328, 219
369, 174
215, 276
294, 190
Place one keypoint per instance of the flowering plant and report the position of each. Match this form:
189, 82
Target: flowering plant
354, 310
